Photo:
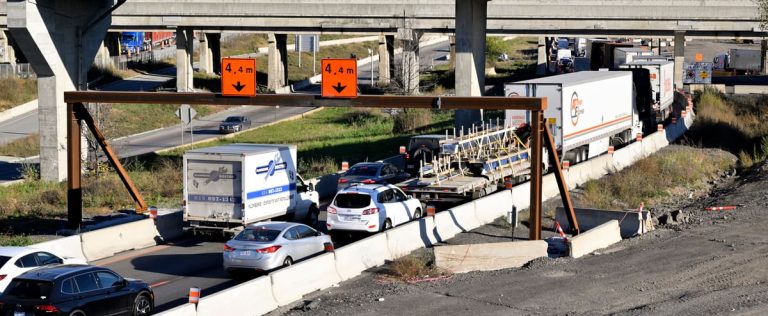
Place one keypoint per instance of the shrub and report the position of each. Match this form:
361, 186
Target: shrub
410, 120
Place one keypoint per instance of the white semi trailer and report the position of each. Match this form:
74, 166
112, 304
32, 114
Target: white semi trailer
661, 74
587, 111
230, 186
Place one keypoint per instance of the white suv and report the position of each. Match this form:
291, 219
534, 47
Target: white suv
371, 208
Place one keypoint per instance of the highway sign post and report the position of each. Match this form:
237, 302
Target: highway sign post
186, 113
238, 77
339, 78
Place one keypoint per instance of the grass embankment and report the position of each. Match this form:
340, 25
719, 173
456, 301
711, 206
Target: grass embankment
115, 121
15, 91
353, 135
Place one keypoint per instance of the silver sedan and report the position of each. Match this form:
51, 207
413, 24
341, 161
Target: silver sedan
269, 245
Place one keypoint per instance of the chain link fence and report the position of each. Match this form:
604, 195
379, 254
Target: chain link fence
16, 71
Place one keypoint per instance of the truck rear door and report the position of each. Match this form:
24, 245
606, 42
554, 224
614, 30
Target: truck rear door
214, 189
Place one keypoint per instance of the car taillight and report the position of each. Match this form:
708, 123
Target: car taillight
331, 210
369, 181
270, 249
343, 180
47, 308
370, 211
2, 276
228, 248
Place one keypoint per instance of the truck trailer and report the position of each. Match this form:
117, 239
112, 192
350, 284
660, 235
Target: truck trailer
587, 111
660, 74
227, 187
739, 61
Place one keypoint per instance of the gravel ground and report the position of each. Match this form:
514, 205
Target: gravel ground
704, 263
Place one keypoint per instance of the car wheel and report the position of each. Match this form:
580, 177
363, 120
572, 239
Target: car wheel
387, 225
417, 214
287, 262
142, 305
77, 312
312, 218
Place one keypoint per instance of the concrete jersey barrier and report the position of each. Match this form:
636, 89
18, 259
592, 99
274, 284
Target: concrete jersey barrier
456, 220
106, 242
291, 283
353, 259
183, 310
597, 238
250, 298
488, 257
65, 247
408, 237
632, 223
491, 207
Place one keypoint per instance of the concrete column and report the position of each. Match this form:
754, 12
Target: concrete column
184, 49
277, 61
102, 58
391, 53
6, 50
384, 61
409, 67
214, 45
679, 58
204, 62
53, 37
470, 56
452, 51
764, 57
541, 67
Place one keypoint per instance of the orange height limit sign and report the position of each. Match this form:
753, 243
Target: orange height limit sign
339, 78
238, 77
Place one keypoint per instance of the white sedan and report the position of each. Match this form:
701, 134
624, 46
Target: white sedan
17, 260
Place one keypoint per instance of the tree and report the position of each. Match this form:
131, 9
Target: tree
762, 11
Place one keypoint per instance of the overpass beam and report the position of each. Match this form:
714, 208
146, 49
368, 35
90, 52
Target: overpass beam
471, 16
679, 58
277, 61
184, 50
60, 39
385, 59
409, 68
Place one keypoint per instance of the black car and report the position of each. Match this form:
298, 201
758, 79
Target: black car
234, 124
371, 173
75, 290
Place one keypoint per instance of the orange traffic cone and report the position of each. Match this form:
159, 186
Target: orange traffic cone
559, 230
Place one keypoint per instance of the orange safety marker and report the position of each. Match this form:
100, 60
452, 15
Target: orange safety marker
683, 113
402, 150
344, 166
431, 210
560, 231
153, 212
659, 127
507, 183
721, 208
194, 295
328, 247
639, 137
610, 150
566, 164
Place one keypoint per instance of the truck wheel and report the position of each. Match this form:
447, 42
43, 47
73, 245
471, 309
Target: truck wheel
312, 217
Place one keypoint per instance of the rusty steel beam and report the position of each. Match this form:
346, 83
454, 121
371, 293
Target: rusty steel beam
564, 194
305, 100
82, 113
537, 123
74, 189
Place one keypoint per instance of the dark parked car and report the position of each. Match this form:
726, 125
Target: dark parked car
75, 290
234, 124
371, 173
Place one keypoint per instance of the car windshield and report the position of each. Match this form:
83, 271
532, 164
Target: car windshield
352, 200
3, 260
233, 119
258, 234
29, 289
362, 171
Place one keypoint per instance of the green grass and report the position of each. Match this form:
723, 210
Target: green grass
23, 147
8, 240
655, 178
243, 44
15, 91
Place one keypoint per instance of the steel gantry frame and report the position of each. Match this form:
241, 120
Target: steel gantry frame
76, 113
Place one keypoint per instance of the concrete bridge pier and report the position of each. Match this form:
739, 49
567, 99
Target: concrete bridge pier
277, 61
7, 54
409, 70
59, 38
452, 52
210, 52
102, 57
764, 57
386, 44
679, 58
541, 66
471, 18
184, 50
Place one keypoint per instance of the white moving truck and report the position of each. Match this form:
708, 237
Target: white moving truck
230, 186
587, 111
661, 75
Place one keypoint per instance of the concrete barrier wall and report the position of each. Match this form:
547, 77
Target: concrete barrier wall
597, 238
406, 238
487, 257
105, 242
290, 284
183, 310
459, 219
631, 223
353, 259
744, 89
65, 247
250, 298
491, 207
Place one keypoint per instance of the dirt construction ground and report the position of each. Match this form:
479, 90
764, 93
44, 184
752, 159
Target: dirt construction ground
709, 263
